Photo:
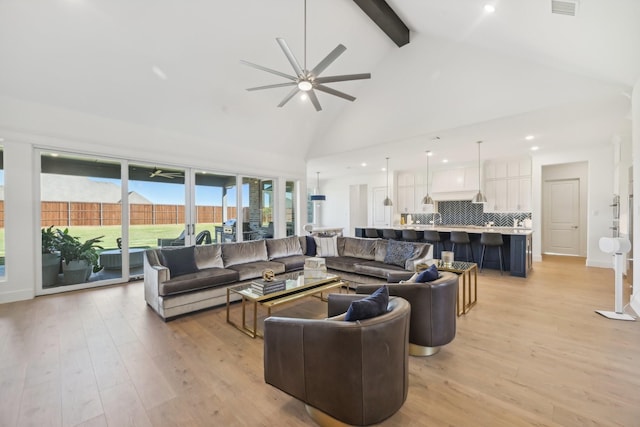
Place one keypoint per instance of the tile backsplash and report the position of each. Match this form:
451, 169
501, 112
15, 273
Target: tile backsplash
467, 213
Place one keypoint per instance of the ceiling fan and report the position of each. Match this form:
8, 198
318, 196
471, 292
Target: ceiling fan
165, 174
306, 80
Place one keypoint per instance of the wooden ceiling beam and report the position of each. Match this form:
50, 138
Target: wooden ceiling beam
382, 14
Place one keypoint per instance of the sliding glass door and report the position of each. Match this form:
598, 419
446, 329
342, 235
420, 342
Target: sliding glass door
98, 215
157, 207
215, 208
80, 220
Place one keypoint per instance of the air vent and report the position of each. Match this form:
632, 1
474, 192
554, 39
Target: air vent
564, 7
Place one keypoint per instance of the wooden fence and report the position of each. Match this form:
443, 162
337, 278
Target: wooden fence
66, 214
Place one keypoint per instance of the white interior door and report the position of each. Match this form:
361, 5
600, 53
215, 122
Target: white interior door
380, 212
561, 222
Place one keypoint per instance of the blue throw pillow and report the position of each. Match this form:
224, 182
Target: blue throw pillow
428, 275
179, 260
371, 306
311, 246
398, 253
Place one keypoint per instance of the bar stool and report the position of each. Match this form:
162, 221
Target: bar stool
461, 238
371, 233
409, 235
433, 237
495, 240
389, 233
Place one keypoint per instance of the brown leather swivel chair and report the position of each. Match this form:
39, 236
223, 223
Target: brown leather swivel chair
351, 372
433, 311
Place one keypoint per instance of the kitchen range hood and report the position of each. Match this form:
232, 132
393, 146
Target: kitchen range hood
453, 195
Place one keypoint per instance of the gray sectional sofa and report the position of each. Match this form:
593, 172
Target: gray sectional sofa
180, 280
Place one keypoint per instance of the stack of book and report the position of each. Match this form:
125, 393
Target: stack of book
262, 287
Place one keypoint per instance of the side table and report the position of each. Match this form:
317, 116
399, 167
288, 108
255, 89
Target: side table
469, 273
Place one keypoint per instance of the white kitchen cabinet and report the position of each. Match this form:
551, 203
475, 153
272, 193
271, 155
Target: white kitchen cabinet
519, 194
508, 185
410, 190
405, 179
406, 199
518, 167
496, 194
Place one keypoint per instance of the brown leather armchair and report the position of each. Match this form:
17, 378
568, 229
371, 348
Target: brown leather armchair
349, 372
433, 311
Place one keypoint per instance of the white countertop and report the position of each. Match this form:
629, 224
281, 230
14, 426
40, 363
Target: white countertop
468, 228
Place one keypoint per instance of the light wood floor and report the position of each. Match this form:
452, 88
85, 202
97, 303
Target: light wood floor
532, 352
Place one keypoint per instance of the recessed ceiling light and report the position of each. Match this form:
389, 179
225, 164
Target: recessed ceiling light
158, 72
445, 160
384, 169
535, 148
363, 164
529, 137
489, 8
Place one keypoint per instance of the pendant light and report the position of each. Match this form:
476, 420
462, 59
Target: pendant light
318, 197
479, 198
427, 200
387, 200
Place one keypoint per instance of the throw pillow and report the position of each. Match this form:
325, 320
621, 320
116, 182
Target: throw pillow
371, 306
428, 275
398, 253
179, 261
326, 246
311, 246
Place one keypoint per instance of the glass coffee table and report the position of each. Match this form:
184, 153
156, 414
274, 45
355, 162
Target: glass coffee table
469, 273
297, 286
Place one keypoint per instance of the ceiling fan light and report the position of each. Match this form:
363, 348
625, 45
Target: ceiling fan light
305, 85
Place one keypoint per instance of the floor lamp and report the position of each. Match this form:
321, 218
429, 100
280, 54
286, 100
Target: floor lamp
618, 247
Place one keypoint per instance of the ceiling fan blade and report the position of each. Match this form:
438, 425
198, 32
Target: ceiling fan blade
292, 59
314, 100
342, 78
327, 89
322, 65
268, 70
289, 96
272, 86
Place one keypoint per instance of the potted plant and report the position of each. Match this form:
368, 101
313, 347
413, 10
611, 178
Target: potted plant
80, 258
50, 257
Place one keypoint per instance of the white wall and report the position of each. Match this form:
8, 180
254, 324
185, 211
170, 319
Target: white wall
635, 116
20, 233
600, 192
335, 210
26, 126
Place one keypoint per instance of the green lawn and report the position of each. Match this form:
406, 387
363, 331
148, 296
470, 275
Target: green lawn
139, 235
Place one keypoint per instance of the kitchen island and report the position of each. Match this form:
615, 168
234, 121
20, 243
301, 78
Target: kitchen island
518, 254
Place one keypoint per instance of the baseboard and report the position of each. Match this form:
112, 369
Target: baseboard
598, 263
13, 296
635, 303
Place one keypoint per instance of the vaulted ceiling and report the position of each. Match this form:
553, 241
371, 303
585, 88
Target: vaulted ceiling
465, 75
